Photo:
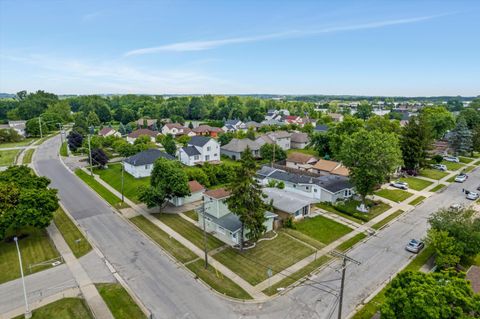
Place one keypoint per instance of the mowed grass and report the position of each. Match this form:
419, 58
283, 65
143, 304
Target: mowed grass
276, 254
304, 238
416, 183
192, 215
452, 166
307, 151
433, 173
23, 142
349, 210
74, 238
350, 242
171, 245
189, 231
119, 302
113, 176
27, 157
322, 229
437, 188
217, 281
387, 219
7, 158
417, 200
396, 195
465, 160
101, 190
35, 247
63, 149
67, 308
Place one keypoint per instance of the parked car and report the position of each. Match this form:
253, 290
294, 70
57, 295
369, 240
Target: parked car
414, 246
441, 167
399, 184
456, 207
461, 178
472, 196
451, 159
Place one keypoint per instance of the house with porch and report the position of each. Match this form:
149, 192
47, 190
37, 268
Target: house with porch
141, 164
199, 149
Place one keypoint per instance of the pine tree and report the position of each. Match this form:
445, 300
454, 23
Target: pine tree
414, 143
461, 138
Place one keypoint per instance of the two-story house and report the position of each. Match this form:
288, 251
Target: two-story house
280, 138
220, 221
199, 149
176, 129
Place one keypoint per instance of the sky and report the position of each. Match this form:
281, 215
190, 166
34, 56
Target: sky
388, 48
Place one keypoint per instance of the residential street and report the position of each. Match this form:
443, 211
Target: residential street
172, 293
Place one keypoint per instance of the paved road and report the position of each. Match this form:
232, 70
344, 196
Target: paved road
171, 293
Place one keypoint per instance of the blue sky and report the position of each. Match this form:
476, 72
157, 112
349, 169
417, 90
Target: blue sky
228, 47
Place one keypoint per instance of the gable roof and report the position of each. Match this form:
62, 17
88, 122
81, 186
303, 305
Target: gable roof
286, 201
199, 140
207, 128
321, 128
253, 124
190, 150
331, 167
300, 158
174, 125
147, 157
233, 122
299, 137
218, 193
279, 134
105, 131
195, 186
240, 145
143, 131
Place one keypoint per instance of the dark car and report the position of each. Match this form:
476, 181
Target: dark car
414, 246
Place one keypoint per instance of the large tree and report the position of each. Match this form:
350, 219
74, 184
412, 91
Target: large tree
99, 158
246, 200
74, 140
364, 110
169, 145
371, 158
414, 142
339, 132
267, 152
414, 295
320, 143
461, 138
439, 119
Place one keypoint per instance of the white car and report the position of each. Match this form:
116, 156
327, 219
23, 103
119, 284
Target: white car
472, 196
461, 178
441, 167
399, 184
456, 207
451, 159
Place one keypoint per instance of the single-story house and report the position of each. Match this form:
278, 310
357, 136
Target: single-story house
293, 119
253, 125
176, 129
207, 130
143, 131
280, 138
141, 164
336, 117
299, 140
196, 193
108, 131
329, 167
199, 149
235, 148
300, 161
220, 221
288, 204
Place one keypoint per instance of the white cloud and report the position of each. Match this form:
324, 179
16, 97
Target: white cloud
211, 44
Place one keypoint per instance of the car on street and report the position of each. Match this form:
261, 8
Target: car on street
461, 178
440, 167
451, 159
399, 184
414, 246
472, 196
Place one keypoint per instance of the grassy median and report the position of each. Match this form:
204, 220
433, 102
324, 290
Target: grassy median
74, 238
67, 308
119, 301
27, 157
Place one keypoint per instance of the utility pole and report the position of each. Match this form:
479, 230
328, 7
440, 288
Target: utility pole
345, 258
123, 168
274, 144
40, 126
205, 234
61, 133
28, 314
90, 150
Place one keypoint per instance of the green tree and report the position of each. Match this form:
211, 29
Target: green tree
339, 132
246, 200
250, 134
32, 127
190, 125
413, 295
476, 138
225, 138
439, 119
34, 104
471, 116
184, 139
92, 119
267, 152
9, 136
371, 158
414, 142
382, 124
168, 180
461, 138
169, 145
448, 251
320, 142
62, 109
364, 110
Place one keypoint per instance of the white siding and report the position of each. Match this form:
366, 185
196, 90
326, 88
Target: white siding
138, 171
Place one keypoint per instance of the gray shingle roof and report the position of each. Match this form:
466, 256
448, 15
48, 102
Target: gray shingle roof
199, 140
286, 201
299, 137
321, 128
147, 157
240, 145
191, 150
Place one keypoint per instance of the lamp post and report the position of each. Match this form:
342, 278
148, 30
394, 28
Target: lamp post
123, 168
40, 126
28, 314
91, 129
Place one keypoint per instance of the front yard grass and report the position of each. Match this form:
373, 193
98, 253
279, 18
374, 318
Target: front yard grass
387, 219
322, 229
276, 254
437, 188
171, 245
101, 190
416, 183
349, 243
304, 238
217, 281
113, 176
66, 308
417, 200
433, 173
119, 301
465, 160
7, 158
349, 210
74, 238
27, 158
23, 142
192, 215
396, 195
469, 169
189, 231
35, 247
452, 166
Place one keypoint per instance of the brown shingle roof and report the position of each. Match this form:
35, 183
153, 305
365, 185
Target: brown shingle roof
218, 193
143, 131
176, 125
105, 131
207, 128
300, 158
326, 165
195, 186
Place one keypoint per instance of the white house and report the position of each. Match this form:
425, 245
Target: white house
196, 193
287, 204
276, 114
199, 149
140, 132
234, 126
108, 131
280, 138
141, 164
176, 129
19, 126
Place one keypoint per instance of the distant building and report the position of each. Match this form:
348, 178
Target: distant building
236, 147
207, 130
18, 126
147, 123
141, 164
131, 138
336, 117
234, 126
329, 167
321, 128
300, 161
108, 131
253, 125
176, 129
199, 149
280, 138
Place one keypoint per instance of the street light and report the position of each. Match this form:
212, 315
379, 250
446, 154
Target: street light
123, 168
28, 314
91, 130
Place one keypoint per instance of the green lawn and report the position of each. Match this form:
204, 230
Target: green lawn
304, 238
119, 301
417, 200
308, 151
452, 166
433, 173
476, 163
35, 247
67, 308
469, 169
437, 188
322, 229
74, 238
27, 157
63, 149
276, 254
296, 276
7, 158
465, 160
192, 214
349, 210
396, 195
113, 176
217, 281
23, 142
101, 190
416, 183
189, 231
387, 219
349, 243
176, 249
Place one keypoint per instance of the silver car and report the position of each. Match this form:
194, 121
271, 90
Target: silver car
440, 167
399, 184
414, 246
472, 196
451, 159
461, 178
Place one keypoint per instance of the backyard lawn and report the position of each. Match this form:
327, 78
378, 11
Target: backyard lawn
74, 238
416, 183
433, 173
119, 301
113, 176
67, 308
276, 254
322, 229
307, 151
189, 231
36, 247
7, 158
396, 195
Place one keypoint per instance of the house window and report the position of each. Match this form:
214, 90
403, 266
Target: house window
214, 155
307, 188
147, 166
315, 190
196, 157
208, 148
297, 213
207, 157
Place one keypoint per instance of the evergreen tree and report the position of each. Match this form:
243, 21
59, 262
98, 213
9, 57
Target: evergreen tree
190, 125
414, 143
122, 129
169, 144
461, 138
